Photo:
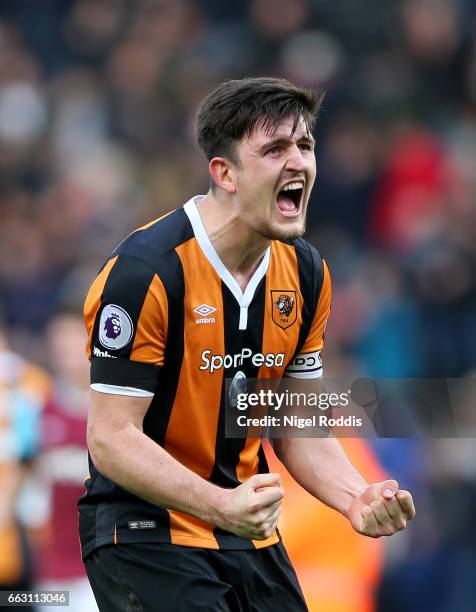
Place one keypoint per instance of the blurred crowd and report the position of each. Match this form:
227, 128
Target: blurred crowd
97, 136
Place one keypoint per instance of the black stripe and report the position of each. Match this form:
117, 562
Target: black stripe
227, 451
157, 418
158, 239
126, 286
311, 277
255, 330
140, 256
126, 507
263, 467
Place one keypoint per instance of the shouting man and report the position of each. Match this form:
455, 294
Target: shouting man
176, 516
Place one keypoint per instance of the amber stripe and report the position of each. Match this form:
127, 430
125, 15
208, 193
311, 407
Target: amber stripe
283, 275
192, 428
248, 465
93, 300
152, 326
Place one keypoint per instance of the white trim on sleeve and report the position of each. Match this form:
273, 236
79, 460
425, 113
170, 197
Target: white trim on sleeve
117, 390
304, 375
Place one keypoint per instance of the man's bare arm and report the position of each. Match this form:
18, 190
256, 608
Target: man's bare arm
322, 468
124, 454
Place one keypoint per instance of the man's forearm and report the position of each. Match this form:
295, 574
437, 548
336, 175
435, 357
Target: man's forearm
321, 467
135, 462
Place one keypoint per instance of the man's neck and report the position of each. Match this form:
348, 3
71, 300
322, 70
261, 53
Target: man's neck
240, 250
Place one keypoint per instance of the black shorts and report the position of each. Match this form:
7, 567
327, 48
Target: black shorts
153, 577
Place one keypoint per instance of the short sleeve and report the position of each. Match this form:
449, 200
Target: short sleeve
308, 363
126, 316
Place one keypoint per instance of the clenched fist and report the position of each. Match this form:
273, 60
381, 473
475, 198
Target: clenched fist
381, 509
252, 510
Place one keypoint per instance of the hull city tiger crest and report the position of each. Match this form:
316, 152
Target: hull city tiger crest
284, 308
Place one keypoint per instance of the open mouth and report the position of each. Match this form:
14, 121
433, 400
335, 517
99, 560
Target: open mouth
289, 199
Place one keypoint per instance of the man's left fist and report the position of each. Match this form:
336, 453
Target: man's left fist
381, 509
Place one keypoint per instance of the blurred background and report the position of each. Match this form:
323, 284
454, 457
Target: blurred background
97, 137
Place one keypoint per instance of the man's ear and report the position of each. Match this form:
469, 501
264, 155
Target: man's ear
222, 174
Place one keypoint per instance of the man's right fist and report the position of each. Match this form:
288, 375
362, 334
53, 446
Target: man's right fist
252, 510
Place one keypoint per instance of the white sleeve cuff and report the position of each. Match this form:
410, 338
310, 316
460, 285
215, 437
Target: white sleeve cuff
116, 390
304, 375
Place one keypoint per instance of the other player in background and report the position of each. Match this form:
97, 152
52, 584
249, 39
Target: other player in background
62, 464
23, 389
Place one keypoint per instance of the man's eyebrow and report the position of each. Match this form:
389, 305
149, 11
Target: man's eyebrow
283, 141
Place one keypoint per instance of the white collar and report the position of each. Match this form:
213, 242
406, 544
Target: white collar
243, 299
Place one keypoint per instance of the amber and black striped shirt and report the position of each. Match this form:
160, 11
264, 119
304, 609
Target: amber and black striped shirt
167, 320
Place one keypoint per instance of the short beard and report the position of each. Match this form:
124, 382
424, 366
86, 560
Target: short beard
282, 235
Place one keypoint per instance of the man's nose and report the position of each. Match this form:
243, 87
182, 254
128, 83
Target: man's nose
295, 160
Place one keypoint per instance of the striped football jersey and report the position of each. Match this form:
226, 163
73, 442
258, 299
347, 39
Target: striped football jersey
167, 320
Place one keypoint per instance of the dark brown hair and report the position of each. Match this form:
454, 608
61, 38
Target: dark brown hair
235, 108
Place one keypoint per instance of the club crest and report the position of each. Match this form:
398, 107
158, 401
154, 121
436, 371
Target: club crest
284, 308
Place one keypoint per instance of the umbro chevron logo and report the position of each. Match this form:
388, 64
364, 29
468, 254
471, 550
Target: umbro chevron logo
204, 310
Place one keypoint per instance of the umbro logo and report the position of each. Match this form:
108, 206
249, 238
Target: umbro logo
142, 524
204, 310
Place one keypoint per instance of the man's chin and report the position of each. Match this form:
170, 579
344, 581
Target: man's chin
277, 231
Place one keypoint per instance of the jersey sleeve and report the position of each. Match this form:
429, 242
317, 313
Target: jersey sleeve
308, 362
126, 316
